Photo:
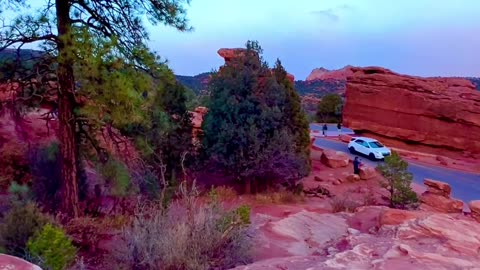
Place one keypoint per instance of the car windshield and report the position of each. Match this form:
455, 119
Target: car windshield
375, 144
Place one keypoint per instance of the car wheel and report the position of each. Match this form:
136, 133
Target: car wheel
372, 157
352, 150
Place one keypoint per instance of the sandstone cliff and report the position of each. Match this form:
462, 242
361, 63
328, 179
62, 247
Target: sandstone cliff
437, 112
325, 74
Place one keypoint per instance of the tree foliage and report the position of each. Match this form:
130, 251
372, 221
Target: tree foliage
101, 40
398, 181
330, 108
245, 131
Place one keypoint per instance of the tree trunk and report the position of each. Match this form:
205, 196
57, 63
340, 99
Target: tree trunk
66, 117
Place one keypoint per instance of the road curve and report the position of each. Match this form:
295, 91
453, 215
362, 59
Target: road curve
465, 186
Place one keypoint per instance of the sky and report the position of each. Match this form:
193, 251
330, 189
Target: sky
417, 37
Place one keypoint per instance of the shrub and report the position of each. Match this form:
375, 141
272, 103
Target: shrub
45, 166
222, 193
13, 164
52, 247
20, 193
187, 235
343, 204
116, 176
280, 197
397, 181
20, 223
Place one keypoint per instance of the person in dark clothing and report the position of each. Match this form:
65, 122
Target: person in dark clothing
356, 165
339, 127
324, 130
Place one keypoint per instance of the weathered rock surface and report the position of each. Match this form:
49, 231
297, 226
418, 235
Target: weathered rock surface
437, 198
428, 111
403, 240
437, 187
335, 159
367, 172
8, 262
475, 209
325, 74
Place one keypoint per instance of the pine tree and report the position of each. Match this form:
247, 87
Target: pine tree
244, 131
295, 118
398, 181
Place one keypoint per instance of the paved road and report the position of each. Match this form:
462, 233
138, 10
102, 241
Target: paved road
465, 186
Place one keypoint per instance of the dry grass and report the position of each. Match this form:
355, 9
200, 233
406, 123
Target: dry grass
223, 193
280, 197
186, 235
343, 204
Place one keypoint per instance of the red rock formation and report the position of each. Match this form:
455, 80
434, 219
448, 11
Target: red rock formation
437, 198
236, 53
437, 112
334, 159
325, 74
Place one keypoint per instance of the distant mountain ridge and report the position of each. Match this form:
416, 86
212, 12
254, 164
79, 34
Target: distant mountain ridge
320, 82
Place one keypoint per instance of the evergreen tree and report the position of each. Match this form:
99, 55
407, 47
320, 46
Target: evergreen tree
244, 131
330, 108
294, 117
398, 181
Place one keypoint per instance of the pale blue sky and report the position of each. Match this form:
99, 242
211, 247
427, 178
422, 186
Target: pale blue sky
419, 37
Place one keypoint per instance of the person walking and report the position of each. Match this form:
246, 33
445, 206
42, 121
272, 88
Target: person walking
356, 165
339, 127
324, 130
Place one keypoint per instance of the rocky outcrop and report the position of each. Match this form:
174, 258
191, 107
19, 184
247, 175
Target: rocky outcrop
437, 112
8, 262
393, 239
475, 209
334, 159
437, 198
325, 74
232, 54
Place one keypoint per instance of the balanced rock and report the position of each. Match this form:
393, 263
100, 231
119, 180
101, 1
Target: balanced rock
438, 187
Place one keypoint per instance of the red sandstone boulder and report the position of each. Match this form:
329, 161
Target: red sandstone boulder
367, 172
345, 138
440, 203
316, 154
438, 187
353, 178
334, 159
438, 112
8, 262
475, 208
396, 216
437, 198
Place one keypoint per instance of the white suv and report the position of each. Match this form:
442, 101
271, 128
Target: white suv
369, 147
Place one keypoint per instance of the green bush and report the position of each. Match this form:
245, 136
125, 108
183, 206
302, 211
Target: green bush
19, 224
52, 247
116, 176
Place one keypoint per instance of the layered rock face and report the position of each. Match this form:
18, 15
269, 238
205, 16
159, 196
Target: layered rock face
325, 74
437, 198
437, 112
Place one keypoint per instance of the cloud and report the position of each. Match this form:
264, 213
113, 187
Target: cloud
328, 14
332, 14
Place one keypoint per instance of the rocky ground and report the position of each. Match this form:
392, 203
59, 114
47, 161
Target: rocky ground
312, 235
